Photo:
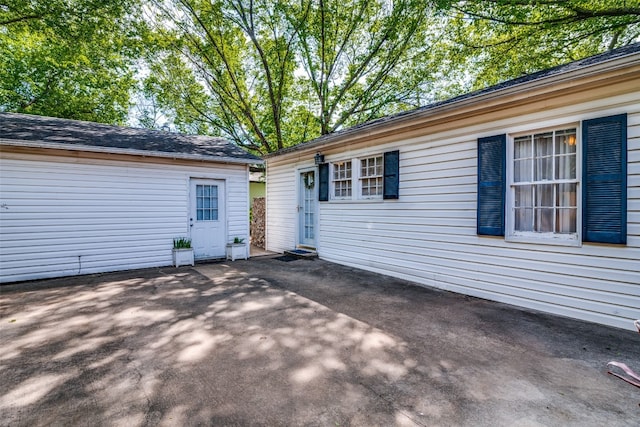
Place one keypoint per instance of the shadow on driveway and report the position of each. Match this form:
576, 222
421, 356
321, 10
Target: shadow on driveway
267, 342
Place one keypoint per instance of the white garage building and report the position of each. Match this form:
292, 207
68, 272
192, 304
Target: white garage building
79, 197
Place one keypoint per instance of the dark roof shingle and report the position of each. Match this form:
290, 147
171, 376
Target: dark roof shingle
87, 135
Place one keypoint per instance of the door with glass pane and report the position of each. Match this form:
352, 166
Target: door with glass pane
307, 205
207, 218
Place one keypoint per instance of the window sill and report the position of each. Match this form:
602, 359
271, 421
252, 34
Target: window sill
354, 200
553, 241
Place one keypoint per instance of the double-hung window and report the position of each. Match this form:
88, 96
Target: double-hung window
371, 174
565, 185
544, 185
342, 180
368, 177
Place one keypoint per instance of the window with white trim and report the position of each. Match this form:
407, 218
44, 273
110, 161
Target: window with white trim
371, 174
544, 185
342, 179
565, 186
206, 202
374, 177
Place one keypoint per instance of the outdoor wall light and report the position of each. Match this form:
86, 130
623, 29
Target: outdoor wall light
319, 158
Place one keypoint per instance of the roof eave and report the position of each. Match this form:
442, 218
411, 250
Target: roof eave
130, 152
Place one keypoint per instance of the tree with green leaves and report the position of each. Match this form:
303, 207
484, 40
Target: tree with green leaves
353, 55
270, 74
68, 58
502, 39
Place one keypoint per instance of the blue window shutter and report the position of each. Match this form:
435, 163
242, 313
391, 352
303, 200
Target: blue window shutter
492, 153
604, 178
391, 175
323, 182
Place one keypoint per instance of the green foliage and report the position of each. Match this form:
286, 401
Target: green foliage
353, 52
238, 240
181, 243
502, 39
268, 74
68, 58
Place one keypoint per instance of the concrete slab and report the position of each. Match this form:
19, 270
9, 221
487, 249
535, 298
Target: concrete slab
256, 251
305, 342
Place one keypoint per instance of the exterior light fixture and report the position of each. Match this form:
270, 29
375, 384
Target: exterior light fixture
319, 158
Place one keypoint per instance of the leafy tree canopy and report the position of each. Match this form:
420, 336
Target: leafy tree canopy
502, 39
268, 74
273, 73
68, 58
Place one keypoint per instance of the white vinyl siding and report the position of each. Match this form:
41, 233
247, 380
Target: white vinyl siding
281, 208
63, 216
429, 234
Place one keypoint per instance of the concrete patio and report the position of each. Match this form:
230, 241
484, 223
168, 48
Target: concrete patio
275, 341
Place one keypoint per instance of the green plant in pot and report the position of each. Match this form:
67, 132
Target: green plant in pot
182, 251
181, 243
237, 249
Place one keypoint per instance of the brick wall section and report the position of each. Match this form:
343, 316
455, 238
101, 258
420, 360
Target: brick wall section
258, 222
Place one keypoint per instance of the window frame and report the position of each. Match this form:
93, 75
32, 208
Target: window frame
550, 238
361, 178
332, 186
210, 199
388, 178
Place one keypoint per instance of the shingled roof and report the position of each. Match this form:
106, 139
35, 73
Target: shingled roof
632, 49
48, 132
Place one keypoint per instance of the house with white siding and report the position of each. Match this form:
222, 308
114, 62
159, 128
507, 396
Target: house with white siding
527, 192
79, 197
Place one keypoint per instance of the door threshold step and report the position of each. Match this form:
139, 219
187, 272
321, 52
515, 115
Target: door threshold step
301, 253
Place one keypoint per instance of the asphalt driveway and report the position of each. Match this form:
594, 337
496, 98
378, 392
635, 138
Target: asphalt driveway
305, 342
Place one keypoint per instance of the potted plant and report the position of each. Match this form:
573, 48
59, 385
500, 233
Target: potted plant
182, 252
237, 249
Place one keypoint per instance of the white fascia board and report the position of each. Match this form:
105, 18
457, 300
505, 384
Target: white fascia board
126, 151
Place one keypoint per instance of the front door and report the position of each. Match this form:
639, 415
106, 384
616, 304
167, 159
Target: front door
307, 208
207, 218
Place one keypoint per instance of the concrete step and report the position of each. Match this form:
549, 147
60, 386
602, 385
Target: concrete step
301, 253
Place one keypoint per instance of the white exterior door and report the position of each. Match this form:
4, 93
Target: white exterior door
307, 206
207, 218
